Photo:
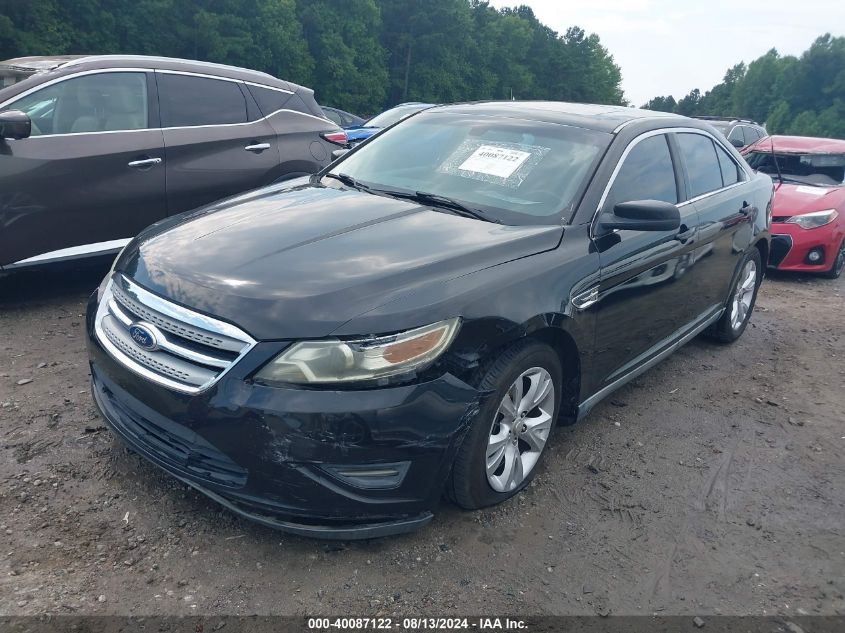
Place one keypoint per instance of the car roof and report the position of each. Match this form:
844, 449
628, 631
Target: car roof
726, 119
38, 64
604, 118
74, 63
800, 145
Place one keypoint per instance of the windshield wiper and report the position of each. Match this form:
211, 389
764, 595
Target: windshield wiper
349, 181
447, 203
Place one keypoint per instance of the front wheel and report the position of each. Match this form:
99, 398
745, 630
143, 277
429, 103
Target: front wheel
838, 263
500, 453
741, 303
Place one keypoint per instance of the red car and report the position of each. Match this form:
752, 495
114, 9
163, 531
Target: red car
808, 215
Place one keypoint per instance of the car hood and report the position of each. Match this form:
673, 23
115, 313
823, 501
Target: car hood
302, 262
793, 199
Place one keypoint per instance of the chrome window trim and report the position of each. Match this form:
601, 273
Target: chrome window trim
83, 73
258, 85
10, 102
672, 130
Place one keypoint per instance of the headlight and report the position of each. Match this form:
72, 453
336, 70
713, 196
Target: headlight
336, 361
814, 220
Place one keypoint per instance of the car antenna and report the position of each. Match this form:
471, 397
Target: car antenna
775, 158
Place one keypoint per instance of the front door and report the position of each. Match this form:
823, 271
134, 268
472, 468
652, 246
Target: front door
90, 176
217, 143
645, 284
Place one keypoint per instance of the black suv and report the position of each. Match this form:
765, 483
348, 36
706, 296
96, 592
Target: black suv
328, 358
93, 149
739, 132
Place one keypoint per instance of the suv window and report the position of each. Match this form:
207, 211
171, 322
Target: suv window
730, 170
646, 174
703, 168
104, 102
269, 100
188, 101
333, 116
737, 135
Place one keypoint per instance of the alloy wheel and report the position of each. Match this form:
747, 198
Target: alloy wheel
520, 429
839, 264
743, 294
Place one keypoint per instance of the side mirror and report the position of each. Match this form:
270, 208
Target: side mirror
15, 124
339, 152
736, 142
642, 215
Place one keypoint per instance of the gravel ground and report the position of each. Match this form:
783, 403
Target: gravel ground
713, 484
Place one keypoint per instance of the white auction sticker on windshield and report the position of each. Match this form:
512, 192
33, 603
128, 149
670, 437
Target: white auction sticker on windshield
494, 161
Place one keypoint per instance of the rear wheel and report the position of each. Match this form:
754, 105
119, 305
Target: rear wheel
500, 453
741, 303
838, 263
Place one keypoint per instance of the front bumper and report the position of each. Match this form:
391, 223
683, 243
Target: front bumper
791, 245
273, 455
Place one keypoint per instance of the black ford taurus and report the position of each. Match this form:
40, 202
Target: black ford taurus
330, 355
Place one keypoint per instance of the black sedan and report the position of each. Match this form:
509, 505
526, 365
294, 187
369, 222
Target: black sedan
331, 355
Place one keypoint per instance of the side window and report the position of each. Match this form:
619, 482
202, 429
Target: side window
333, 116
703, 169
269, 100
188, 101
736, 135
105, 102
730, 170
646, 174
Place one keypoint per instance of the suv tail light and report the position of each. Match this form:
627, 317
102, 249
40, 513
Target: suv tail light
338, 138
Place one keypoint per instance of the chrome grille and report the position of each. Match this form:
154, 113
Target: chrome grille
191, 352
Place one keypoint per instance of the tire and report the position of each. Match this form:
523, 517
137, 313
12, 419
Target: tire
741, 301
838, 264
469, 484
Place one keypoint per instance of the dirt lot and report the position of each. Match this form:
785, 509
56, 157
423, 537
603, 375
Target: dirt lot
715, 483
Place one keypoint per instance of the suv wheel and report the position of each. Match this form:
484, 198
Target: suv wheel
500, 453
741, 302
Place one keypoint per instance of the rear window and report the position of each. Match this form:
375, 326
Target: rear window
188, 101
730, 170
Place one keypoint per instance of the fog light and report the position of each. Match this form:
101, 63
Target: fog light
370, 476
815, 256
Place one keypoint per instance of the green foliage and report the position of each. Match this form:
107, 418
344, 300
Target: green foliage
792, 95
360, 55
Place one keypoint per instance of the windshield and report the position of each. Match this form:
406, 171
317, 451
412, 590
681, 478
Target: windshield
394, 115
823, 170
513, 171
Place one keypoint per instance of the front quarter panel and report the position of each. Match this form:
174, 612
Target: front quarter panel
500, 305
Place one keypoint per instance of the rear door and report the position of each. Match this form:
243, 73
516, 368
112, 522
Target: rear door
715, 187
90, 176
643, 300
216, 142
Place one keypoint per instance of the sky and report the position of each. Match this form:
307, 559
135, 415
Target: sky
670, 47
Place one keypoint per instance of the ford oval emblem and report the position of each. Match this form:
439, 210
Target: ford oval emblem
143, 336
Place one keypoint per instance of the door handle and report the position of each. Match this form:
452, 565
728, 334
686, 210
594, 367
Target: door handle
684, 234
144, 163
257, 147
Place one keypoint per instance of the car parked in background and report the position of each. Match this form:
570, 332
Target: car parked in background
342, 118
94, 149
387, 118
329, 357
739, 132
808, 217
